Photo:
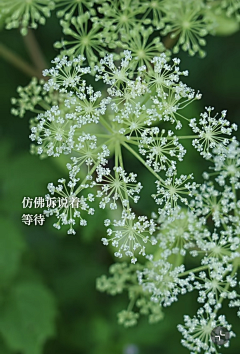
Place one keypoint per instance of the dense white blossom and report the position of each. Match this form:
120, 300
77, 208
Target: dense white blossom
130, 234
211, 132
197, 330
141, 113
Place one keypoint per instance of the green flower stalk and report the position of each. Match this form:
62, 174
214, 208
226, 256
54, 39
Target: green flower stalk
69, 8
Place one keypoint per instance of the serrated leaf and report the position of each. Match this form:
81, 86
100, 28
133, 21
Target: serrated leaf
27, 317
11, 247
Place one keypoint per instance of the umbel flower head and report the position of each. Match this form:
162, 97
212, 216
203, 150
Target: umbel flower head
129, 235
139, 112
197, 330
162, 281
186, 21
212, 132
25, 13
67, 8
85, 38
96, 28
123, 277
67, 208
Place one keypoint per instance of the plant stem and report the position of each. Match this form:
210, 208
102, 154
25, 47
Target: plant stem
105, 124
18, 62
85, 179
102, 135
226, 288
142, 161
34, 51
131, 304
168, 138
193, 270
90, 173
121, 164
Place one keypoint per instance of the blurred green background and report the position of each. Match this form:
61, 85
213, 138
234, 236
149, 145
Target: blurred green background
48, 300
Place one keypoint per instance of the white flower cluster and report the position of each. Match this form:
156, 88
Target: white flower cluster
67, 214
89, 126
129, 235
160, 150
197, 330
114, 188
163, 282
211, 132
54, 132
141, 114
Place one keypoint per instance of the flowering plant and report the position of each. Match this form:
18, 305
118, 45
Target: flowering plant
116, 91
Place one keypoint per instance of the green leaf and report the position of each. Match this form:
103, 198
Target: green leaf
26, 176
11, 247
3, 349
27, 317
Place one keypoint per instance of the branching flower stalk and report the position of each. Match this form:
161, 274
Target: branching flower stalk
131, 116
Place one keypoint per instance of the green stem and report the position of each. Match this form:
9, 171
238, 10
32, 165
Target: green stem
195, 270
226, 287
131, 304
188, 137
120, 157
106, 125
168, 137
116, 159
180, 115
44, 105
235, 198
18, 62
90, 173
35, 52
102, 135
121, 164
142, 161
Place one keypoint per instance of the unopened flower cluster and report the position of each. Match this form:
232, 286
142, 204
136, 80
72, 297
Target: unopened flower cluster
95, 28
